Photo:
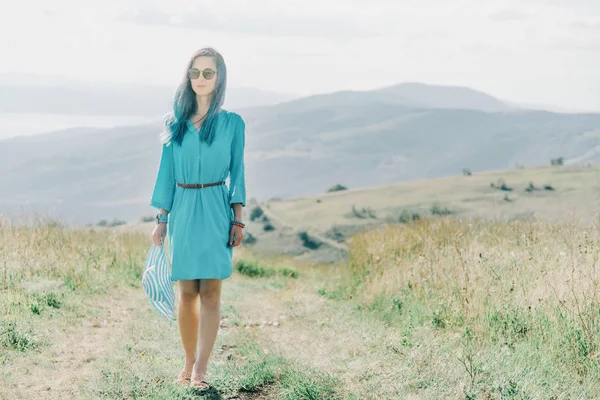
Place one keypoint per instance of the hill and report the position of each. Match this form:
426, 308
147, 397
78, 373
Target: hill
294, 149
30, 93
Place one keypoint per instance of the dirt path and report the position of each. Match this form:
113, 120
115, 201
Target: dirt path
331, 336
72, 358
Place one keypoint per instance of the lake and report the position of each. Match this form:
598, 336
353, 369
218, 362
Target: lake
22, 124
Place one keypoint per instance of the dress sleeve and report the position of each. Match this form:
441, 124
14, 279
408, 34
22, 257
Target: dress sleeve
237, 180
164, 187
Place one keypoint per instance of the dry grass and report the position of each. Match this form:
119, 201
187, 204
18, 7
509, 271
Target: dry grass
520, 286
575, 196
427, 310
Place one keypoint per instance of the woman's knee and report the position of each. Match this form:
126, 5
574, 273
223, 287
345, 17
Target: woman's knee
188, 291
210, 293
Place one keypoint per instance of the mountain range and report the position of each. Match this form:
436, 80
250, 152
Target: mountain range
300, 147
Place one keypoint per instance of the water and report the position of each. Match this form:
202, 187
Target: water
23, 124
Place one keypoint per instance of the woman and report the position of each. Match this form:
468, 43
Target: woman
202, 145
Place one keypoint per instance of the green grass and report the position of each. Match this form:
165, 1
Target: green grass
438, 308
253, 269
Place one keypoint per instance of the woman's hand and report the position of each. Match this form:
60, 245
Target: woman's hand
237, 233
158, 234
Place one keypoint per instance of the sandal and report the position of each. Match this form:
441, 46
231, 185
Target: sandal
199, 384
184, 377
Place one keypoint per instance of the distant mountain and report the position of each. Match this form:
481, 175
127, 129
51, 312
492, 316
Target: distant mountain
436, 96
297, 148
28, 93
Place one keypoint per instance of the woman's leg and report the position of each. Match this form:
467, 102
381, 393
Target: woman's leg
188, 317
210, 319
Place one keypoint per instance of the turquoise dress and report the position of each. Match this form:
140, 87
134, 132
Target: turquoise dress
200, 219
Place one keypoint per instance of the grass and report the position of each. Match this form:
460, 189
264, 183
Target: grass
526, 290
253, 269
439, 308
562, 194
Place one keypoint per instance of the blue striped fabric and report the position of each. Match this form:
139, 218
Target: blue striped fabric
157, 283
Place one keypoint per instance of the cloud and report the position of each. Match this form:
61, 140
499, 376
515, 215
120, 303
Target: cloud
510, 15
277, 25
586, 26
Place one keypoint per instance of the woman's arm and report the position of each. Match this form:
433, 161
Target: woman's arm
237, 181
164, 187
237, 210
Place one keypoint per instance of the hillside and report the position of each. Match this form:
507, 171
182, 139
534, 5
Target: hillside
547, 194
294, 149
31, 93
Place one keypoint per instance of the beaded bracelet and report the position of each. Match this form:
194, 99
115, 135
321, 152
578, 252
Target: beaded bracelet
238, 223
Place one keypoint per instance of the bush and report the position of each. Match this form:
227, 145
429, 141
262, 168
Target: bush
257, 212
363, 213
466, 172
337, 188
268, 227
530, 188
501, 185
114, 222
437, 209
548, 187
506, 198
335, 234
408, 216
557, 161
117, 222
253, 270
148, 219
309, 242
249, 239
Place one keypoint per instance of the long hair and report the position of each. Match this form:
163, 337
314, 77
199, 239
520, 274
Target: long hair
185, 105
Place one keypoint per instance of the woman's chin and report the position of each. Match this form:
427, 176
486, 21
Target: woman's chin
201, 92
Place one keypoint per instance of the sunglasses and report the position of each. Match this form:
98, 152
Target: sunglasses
194, 73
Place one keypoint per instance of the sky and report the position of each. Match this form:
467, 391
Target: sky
538, 52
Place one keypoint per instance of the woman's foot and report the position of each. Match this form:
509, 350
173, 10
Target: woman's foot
184, 377
198, 380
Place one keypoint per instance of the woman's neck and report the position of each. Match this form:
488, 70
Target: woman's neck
203, 104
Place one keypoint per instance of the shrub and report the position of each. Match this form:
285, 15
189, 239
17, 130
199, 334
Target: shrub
437, 209
253, 269
466, 172
337, 188
530, 188
408, 216
268, 227
257, 212
501, 185
309, 242
249, 239
557, 161
148, 218
363, 213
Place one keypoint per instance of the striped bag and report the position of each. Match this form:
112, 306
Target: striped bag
157, 283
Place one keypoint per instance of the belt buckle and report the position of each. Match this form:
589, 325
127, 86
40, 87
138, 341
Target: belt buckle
202, 186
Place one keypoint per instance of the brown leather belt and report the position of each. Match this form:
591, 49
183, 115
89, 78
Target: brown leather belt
199, 185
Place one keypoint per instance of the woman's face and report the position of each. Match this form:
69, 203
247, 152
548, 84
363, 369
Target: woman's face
203, 75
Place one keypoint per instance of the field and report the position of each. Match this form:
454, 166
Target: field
445, 306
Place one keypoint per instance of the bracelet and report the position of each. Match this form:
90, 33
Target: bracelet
238, 223
161, 218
